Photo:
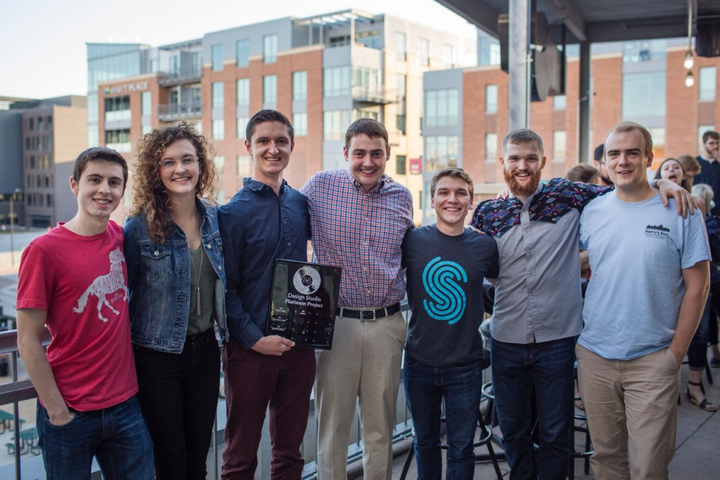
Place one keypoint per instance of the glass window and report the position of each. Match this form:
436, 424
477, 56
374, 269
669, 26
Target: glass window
31, 124
559, 102
336, 82
118, 140
491, 98
146, 104
367, 80
400, 47
300, 124
401, 86
218, 55
401, 161
335, 122
270, 89
447, 55
40, 124
441, 108
218, 129
658, 139
196, 64
244, 166
424, 51
400, 123
441, 151
491, 150
559, 146
299, 85
242, 52
218, 95
489, 51
117, 109
242, 126
49, 122
146, 129
643, 95
219, 165
708, 81
173, 70
270, 48
243, 91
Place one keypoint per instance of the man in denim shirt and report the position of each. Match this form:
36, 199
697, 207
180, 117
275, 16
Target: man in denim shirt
264, 221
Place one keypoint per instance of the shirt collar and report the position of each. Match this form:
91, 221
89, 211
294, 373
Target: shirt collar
256, 186
377, 188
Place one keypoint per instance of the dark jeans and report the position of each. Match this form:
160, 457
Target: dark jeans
252, 381
425, 388
697, 351
179, 396
714, 313
116, 436
545, 371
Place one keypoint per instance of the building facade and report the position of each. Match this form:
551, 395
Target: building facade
466, 110
307, 68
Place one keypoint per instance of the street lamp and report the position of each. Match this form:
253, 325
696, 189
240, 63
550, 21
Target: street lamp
12, 227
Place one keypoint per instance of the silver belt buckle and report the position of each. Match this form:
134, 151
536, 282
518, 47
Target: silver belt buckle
362, 316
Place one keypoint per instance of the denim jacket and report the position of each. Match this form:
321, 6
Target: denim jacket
159, 282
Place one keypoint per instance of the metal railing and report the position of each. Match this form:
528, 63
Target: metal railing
177, 111
183, 76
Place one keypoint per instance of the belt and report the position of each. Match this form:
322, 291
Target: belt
368, 315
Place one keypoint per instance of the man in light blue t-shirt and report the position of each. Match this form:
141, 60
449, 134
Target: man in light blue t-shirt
650, 280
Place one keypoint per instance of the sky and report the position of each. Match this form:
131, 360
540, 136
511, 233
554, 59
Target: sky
42, 42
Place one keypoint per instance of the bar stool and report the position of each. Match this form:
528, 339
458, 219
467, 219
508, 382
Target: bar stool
588, 452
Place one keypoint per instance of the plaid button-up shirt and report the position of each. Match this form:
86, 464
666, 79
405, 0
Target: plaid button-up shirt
362, 232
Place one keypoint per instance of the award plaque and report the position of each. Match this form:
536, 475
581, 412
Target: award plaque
304, 301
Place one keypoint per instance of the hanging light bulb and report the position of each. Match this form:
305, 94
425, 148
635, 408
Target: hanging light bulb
689, 61
689, 79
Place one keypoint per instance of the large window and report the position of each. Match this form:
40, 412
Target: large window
441, 107
244, 166
243, 91
118, 140
218, 55
367, 80
300, 124
242, 52
335, 122
270, 47
299, 85
117, 109
242, 126
559, 102
401, 86
559, 144
401, 164
441, 151
708, 79
491, 150
218, 95
218, 129
658, 139
424, 51
336, 82
643, 95
491, 98
447, 55
400, 47
270, 89
146, 104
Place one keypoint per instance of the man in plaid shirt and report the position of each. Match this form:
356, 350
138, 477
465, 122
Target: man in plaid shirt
359, 217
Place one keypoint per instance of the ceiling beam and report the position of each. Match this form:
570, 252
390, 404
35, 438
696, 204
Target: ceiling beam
476, 12
566, 12
647, 28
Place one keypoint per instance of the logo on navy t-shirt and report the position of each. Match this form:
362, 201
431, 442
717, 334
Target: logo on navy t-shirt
441, 281
657, 231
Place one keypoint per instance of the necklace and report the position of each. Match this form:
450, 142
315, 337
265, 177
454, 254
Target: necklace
197, 280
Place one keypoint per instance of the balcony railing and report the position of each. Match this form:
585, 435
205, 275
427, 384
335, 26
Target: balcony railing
177, 111
184, 76
373, 94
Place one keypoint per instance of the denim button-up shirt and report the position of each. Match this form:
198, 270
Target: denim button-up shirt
159, 282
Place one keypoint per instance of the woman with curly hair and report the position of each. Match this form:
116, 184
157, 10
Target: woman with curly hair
177, 296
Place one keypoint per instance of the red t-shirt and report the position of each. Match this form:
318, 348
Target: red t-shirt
82, 283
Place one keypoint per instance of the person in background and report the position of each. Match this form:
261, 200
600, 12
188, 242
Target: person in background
584, 174
691, 167
176, 278
599, 163
709, 164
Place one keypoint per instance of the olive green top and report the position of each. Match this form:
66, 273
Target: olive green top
200, 323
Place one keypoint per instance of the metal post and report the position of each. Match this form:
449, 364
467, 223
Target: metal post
518, 66
585, 96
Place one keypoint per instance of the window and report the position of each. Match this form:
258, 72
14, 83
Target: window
708, 79
359, 113
559, 102
401, 86
400, 48
270, 48
243, 91
300, 124
218, 129
447, 55
336, 82
658, 139
441, 151
196, 64
489, 51
401, 161
491, 98
118, 140
49, 123
27, 143
40, 124
31, 124
146, 104
32, 161
219, 165
491, 150
218, 55
424, 51
299, 84
117, 109
441, 108
270, 89
400, 123
335, 122
643, 95
367, 80
242, 126
244, 166
559, 143
218, 95
242, 52
145, 129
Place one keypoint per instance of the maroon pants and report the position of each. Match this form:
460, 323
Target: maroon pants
252, 381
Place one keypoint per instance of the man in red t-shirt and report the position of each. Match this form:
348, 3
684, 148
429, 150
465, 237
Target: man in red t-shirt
74, 280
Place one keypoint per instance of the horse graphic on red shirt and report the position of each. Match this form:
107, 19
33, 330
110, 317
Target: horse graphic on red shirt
105, 285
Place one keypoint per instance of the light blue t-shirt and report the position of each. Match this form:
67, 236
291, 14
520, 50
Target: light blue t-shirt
637, 253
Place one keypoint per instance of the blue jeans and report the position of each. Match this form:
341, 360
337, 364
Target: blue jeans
425, 388
542, 372
116, 436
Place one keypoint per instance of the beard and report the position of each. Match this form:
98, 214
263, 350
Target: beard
517, 188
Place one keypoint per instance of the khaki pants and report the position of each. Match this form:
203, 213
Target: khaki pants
364, 364
631, 409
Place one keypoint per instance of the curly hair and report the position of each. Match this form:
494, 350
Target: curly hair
150, 197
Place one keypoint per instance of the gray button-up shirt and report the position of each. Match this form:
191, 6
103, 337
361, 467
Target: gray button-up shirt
537, 294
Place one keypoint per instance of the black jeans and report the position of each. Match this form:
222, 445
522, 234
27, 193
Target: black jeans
178, 396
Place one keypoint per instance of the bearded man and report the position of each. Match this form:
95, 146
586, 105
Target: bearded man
538, 304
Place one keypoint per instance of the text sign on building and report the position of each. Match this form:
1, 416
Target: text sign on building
128, 87
416, 165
